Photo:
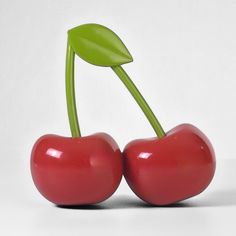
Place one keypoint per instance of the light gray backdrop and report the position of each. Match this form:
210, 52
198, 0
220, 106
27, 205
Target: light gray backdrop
184, 64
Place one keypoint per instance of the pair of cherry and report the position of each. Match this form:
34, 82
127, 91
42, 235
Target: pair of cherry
86, 170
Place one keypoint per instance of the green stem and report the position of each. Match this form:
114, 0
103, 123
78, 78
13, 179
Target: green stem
140, 100
70, 92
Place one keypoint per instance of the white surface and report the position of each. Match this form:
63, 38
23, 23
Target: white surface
184, 65
25, 212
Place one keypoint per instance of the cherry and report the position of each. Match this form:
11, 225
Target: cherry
80, 170
173, 168
76, 171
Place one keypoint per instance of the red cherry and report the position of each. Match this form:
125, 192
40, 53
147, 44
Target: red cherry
76, 171
173, 168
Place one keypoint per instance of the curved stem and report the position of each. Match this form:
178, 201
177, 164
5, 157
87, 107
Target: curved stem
70, 93
140, 100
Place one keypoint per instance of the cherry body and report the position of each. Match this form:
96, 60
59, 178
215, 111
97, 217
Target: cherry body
76, 171
173, 168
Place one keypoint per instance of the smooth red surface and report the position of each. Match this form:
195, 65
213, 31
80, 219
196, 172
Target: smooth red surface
76, 171
167, 170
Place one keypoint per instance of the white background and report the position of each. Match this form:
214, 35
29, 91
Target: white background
185, 66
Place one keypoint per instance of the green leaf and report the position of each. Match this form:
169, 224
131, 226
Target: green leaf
98, 45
